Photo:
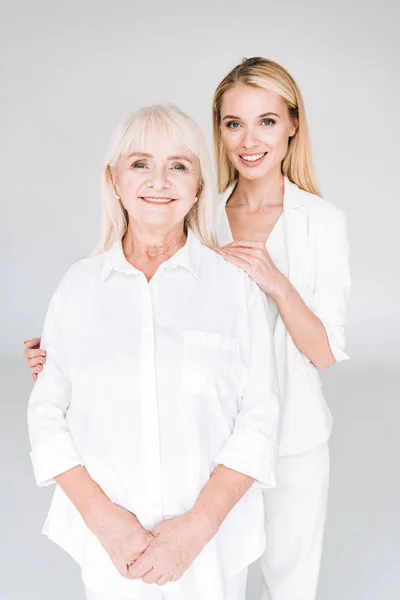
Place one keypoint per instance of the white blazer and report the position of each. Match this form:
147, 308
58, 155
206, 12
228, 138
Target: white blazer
317, 247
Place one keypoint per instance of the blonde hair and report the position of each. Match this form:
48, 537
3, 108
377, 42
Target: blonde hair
134, 132
266, 74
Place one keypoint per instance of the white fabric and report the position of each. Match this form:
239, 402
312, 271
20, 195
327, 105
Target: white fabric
318, 267
277, 250
295, 515
150, 386
235, 589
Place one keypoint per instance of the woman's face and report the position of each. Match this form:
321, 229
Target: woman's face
255, 130
158, 183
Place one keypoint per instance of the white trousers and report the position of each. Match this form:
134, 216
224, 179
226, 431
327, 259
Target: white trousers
295, 513
235, 590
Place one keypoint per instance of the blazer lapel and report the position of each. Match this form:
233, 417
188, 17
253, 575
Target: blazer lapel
224, 233
295, 225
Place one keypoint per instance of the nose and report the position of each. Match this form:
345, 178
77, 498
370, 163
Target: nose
249, 139
158, 179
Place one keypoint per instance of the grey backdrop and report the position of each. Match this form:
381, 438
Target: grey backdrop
69, 72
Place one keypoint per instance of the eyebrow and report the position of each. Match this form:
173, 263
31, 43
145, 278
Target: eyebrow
146, 155
268, 114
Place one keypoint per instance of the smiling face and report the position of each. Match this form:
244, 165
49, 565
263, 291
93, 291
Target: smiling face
255, 130
158, 182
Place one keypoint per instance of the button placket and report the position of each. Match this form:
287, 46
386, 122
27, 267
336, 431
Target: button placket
150, 414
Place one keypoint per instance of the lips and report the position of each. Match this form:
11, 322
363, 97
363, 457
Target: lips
252, 160
157, 200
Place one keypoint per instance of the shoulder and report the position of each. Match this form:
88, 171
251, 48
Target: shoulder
320, 208
216, 265
323, 215
228, 277
81, 275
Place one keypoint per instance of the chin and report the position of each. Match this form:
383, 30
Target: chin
255, 174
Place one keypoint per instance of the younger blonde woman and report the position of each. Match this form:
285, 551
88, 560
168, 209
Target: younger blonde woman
273, 223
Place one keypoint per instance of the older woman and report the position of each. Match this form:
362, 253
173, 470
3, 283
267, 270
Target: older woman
158, 407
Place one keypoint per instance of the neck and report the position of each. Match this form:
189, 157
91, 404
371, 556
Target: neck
146, 245
256, 194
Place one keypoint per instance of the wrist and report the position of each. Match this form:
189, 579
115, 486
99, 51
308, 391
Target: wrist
282, 288
206, 523
97, 512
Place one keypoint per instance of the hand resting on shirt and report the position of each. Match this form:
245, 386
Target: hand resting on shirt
117, 529
176, 543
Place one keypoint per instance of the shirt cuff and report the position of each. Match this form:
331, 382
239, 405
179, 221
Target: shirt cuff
336, 341
53, 457
251, 454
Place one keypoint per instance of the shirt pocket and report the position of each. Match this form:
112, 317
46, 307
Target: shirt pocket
212, 365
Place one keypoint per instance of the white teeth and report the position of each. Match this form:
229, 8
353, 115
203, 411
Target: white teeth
253, 158
159, 200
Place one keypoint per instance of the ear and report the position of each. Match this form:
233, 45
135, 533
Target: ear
294, 127
114, 177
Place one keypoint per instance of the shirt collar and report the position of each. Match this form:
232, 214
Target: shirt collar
188, 257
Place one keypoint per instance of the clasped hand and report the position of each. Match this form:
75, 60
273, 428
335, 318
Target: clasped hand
157, 557
176, 543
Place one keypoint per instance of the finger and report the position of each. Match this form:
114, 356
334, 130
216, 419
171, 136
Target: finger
37, 353
246, 244
142, 565
151, 576
34, 376
251, 254
164, 579
123, 569
231, 256
33, 343
37, 360
177, 575
239, 262
36, 370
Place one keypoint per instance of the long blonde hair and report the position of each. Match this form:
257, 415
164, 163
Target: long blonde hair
137, 130
266, 74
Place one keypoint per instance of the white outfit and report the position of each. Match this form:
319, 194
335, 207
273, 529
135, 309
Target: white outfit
316, 262
150, 386
235, 589
277, 249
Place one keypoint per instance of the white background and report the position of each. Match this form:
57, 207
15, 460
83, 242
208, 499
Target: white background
69, 72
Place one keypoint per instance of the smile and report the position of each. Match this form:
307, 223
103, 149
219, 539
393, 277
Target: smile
152, 200
252, 158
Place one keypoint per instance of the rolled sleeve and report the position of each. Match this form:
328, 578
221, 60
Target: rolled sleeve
252, 448
53, 457
252, 455
332, 288
53, 449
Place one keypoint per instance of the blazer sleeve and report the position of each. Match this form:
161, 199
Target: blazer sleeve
252, 448
332, 285
53, 449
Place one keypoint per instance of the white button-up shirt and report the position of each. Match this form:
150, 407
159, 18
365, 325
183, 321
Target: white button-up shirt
150, 386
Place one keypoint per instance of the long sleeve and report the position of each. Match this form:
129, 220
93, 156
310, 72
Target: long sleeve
252, 448
332, 287
53, 449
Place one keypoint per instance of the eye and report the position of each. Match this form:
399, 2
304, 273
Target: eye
138, 164
268, 122
233, 124
179, 167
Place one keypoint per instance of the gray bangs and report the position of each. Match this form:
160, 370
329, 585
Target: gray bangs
147, 126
